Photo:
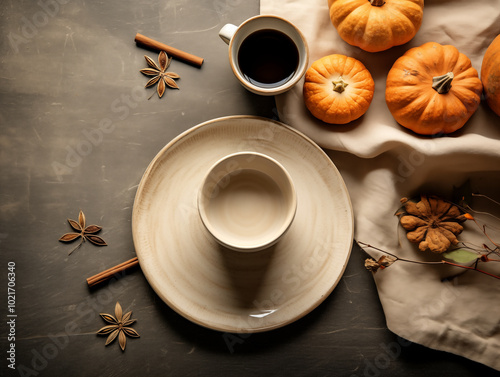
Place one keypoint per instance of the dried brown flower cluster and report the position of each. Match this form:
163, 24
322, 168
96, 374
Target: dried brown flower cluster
118, 327
87, 233
432, 222
161, 77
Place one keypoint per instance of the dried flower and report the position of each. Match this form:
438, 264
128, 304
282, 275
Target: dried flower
160, 76
86, 233
119, 327
432, 223
383, 262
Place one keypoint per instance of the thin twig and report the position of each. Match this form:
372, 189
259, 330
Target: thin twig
432, 263
486, 197
77, 246
473, 269
399, 258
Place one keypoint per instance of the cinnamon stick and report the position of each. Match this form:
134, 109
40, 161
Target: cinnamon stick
172, 51
110, 272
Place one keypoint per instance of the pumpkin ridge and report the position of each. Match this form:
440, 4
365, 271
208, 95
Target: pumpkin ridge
376, 26
428, 109
348, 67
468, 74
405, 25
340, 10
468, 99
354, 77
318, 72
360, 102
360, 26
455, 60
409, 11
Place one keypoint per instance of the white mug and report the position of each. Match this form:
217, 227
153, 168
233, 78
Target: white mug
267, 54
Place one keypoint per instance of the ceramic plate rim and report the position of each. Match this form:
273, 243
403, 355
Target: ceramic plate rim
135, 216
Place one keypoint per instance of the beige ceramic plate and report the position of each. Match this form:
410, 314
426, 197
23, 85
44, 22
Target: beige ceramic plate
228, 290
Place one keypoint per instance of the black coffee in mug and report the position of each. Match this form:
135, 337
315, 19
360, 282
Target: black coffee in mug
268, 58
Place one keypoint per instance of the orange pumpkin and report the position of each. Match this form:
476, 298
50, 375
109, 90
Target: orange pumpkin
338, 89
433, 89
490, 75
376, 25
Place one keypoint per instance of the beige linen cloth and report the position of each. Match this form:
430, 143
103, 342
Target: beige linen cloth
382, 162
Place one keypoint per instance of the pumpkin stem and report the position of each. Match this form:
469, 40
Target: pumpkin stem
339, 85
377, 3
442, 84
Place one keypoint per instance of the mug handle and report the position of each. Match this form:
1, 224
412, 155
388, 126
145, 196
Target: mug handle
227, 32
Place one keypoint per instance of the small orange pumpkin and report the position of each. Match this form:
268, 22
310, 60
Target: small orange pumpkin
376, 25
490, 75
433, 89
338, 89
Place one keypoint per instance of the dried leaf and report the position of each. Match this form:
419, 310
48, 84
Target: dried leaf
106, 329
441, 206
92, 229
151, 63
108, 318
153, 81
149, 71
126, 317
118, 312
456, 228
69, 237
122, 339
81, 219
75, 225
170, 82
160, 88
423, 207
128, 322
417, 235
410, 222
131, 332
452, 213
411, 208
96, 240
163, 59
112, 336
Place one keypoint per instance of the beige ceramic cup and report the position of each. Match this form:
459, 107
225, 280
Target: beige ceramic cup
237, 36
247, 201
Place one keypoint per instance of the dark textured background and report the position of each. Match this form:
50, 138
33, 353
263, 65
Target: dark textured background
77, 132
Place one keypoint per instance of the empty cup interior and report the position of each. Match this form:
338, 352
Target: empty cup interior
247, 201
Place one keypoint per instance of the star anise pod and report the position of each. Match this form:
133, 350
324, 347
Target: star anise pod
433, 223
86, 233
160, 76
118, 327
